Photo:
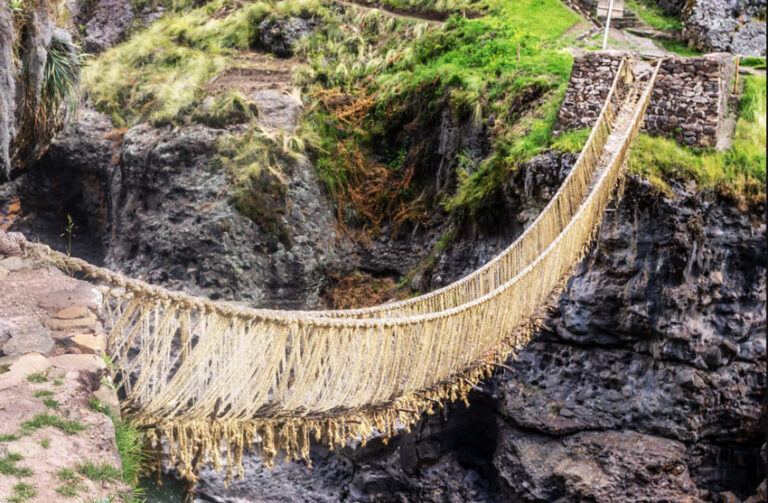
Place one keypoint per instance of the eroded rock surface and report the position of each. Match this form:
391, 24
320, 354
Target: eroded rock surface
279, 35
724, 26
106, 27
173, 222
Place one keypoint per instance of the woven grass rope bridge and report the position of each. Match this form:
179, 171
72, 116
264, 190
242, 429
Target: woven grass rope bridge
214, 379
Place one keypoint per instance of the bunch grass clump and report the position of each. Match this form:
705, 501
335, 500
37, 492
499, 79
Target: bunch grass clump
259, 162
654, 16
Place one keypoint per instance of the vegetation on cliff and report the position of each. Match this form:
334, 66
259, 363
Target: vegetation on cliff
376, 89
504, 72
39, 79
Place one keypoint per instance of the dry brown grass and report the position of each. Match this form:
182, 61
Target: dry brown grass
378, 193
359, 289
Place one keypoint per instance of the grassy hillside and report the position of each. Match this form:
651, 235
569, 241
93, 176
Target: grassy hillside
376, 89
506, 71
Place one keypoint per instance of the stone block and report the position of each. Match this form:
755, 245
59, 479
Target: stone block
27, 340
89, 343
74, 312
78, 323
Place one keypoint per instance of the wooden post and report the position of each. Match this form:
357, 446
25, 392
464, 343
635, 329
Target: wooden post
518, 52
607, 24
736, 76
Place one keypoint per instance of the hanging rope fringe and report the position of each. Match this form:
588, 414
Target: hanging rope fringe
215, 379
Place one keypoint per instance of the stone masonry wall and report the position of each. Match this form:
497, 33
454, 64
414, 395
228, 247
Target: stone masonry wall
688, 103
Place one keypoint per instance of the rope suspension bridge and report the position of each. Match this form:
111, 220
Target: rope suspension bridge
214, 379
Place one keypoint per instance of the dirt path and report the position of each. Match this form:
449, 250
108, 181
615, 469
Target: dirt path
268, 81
430, 16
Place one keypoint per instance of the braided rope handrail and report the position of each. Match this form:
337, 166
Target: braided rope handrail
202, 374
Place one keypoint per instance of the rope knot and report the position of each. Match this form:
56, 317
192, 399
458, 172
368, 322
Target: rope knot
12, 244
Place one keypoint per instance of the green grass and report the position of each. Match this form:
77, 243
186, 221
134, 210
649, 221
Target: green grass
69, 490
739, 170
753, 62
51, 403
38, 377
22, 492
70, 486
43, 393
58, 382
100, 407
99, 473
654, 16
8, 437
45, 442
129, 440
66, 475
680, 48
572, 141
70, 427
8, 466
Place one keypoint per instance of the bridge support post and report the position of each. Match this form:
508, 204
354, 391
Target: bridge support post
607, 24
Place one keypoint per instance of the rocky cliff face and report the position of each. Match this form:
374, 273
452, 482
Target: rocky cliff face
28, 116
133, 190
24, 42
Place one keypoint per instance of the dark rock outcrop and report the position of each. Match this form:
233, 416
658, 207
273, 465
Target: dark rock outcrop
279, 35
153, 203
71, 179
173, 222
671, 7
725, 26
108, 24
625, 351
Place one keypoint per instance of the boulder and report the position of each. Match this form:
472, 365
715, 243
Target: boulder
29, 339
278, 35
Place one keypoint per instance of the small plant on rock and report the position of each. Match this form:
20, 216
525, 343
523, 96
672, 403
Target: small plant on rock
69, 233
38, 377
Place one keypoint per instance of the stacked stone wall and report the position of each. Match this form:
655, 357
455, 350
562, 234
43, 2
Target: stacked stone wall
689, 101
